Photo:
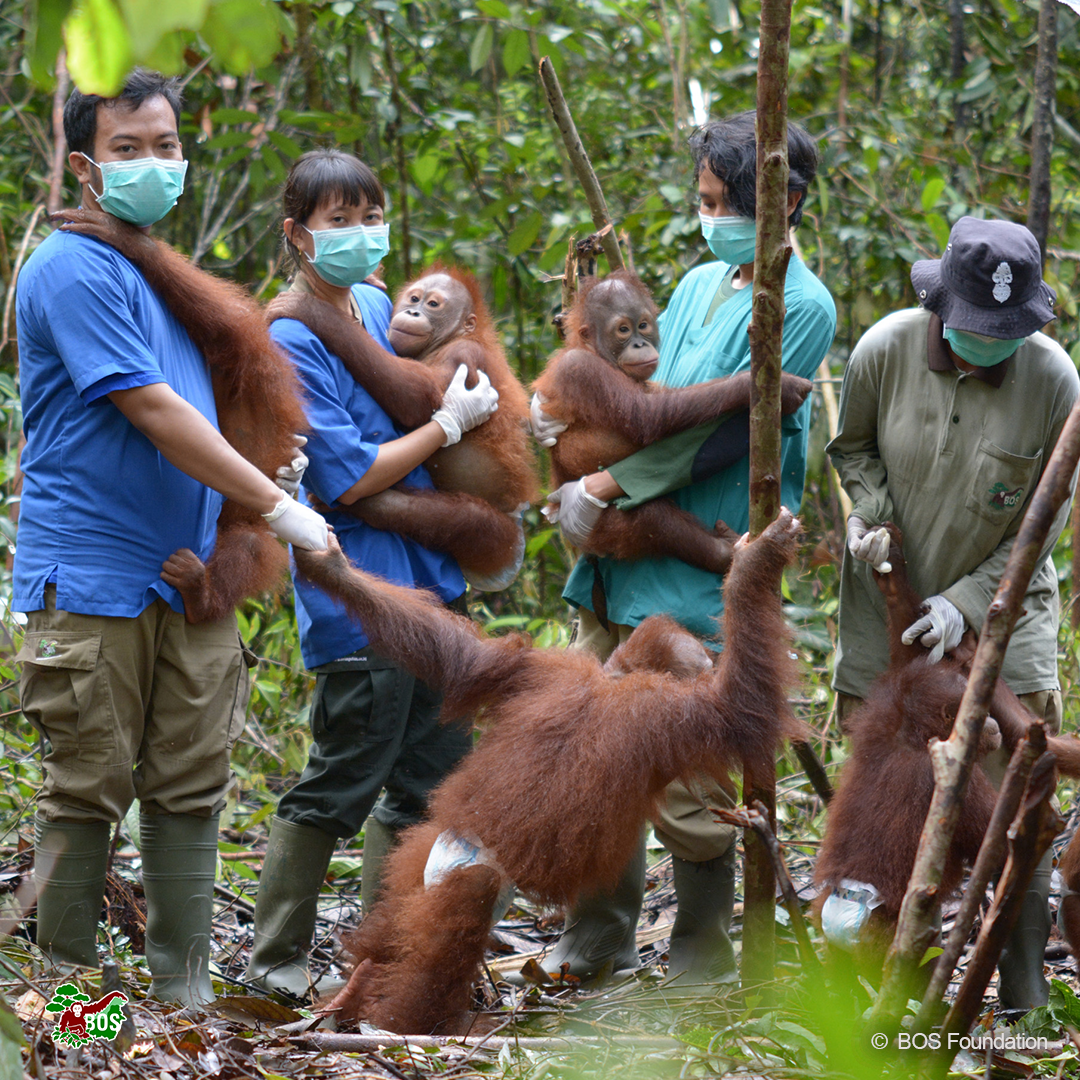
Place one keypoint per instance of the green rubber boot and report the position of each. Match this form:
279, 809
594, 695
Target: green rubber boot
700, 952
600, 934
297, 857
179, 857
69, 874
1022, 984
378, 840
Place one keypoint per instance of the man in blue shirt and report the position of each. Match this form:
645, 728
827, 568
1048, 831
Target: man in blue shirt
703, 335
124, 465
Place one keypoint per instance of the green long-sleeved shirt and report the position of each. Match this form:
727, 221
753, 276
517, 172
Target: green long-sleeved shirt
953, 459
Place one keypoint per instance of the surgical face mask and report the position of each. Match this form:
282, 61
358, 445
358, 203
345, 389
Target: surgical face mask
730, 239
344, 257
980, 350
141, 191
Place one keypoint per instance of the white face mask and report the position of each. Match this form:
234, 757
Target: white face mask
345, 257
731, 238
141, 191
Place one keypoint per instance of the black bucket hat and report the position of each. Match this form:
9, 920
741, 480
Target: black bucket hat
989, 281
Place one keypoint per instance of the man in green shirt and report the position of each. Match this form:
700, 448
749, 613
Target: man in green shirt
948, 415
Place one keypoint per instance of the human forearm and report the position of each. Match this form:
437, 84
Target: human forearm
186, 439
395, 460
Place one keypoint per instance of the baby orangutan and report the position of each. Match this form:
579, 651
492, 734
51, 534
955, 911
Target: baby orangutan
440, 321
572, 762
876, 818
598, 387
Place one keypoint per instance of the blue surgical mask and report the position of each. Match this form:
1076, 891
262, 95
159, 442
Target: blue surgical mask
730, 239
980, 350
141, 191
345, 257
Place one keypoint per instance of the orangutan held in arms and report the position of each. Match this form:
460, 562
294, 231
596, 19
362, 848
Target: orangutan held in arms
439, 322
597, 386
573, 760
259, 410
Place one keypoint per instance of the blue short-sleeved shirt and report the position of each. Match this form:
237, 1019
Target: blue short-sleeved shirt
101, 508
691, 352
347, 428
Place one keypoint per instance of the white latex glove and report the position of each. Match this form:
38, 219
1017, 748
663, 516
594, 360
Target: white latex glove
289, 476
574, 510
298, 524
941, 627
462, 410
870, 545
546, 429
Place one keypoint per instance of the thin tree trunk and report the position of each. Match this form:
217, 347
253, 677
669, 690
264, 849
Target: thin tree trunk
397, 144
955, 757
766, 340
309, 58
758, 820
55, 199
1034, 829
1042, 124
957, 60
846, 21
991, 857
564, 121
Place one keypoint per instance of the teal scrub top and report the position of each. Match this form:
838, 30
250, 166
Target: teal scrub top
691, 353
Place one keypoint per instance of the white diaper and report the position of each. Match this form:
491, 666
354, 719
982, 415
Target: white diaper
451, 851
846, 910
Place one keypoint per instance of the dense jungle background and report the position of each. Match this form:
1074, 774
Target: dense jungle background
923, 111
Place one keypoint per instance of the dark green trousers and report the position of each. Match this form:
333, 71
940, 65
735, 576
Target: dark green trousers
375, 729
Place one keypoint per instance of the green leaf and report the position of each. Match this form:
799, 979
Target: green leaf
233, 116
424, 168
99, 53
149, 20
495, 8
481, 47
525, 233
228, 139
45, 39
940, 228
12, 1040
931, 192
289, 147
168, 55
244, 34
515, 51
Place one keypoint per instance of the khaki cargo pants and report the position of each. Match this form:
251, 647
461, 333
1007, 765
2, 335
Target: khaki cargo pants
684, 823
141, 708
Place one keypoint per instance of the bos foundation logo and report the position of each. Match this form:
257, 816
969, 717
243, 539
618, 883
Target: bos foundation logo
81, 1020
1001, 497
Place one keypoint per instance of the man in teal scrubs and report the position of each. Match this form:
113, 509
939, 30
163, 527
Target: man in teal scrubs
703, 335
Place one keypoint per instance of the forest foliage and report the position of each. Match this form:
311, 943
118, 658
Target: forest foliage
921, 118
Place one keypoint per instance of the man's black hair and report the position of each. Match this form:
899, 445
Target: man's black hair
80, 112
729, 148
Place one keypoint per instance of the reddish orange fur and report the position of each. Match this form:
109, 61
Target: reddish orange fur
609, 415
876, 818
491, 469
572, 762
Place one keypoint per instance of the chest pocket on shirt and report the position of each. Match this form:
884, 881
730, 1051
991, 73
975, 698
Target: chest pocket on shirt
1003, 482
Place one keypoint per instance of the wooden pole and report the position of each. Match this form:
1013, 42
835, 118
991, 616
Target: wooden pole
582, 166
766, 339
1042, 124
